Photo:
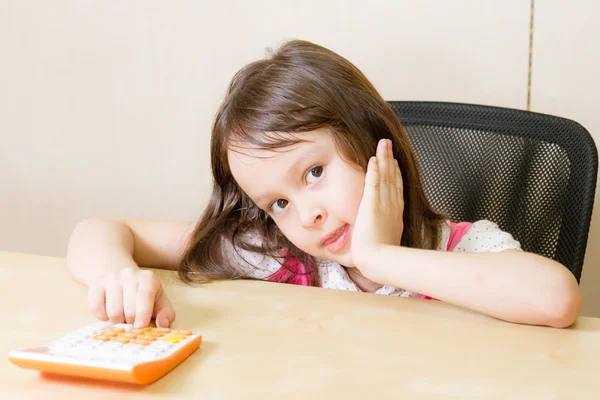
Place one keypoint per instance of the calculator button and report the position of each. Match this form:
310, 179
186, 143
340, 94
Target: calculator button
130, 335
162, 345
99, 325
60, 347
132, 348
182, 332
140, 342
121, 340
78, 335
146, 356
103, 338
140, 330
162, 330
155, 352
148, 338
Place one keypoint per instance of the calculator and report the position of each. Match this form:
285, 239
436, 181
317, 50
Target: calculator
113, 352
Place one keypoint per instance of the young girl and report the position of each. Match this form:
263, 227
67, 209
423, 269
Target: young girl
315, 183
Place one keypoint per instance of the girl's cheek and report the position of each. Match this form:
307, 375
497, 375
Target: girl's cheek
286, 225
354, 197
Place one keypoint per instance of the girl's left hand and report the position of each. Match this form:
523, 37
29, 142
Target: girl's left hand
379, 219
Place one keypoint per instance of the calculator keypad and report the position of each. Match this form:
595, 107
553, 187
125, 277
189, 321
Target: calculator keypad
121, 343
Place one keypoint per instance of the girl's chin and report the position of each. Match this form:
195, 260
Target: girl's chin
346, 261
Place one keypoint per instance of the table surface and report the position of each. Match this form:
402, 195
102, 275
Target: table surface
267, 340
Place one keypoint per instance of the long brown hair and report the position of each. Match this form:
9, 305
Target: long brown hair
299, 88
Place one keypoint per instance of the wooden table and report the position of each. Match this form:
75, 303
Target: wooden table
266, 340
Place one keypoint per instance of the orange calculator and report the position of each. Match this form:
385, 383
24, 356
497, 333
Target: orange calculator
113, 352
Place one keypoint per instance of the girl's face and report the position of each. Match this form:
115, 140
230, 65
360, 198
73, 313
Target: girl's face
311, 193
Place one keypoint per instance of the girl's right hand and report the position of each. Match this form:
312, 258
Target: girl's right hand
379, 220
133, 296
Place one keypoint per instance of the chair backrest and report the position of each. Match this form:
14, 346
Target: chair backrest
532, 174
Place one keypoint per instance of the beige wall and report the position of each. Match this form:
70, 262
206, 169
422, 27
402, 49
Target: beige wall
106, 107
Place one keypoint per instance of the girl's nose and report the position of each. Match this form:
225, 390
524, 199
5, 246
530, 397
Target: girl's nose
314, 216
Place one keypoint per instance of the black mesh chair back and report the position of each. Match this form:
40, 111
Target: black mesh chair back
532, 174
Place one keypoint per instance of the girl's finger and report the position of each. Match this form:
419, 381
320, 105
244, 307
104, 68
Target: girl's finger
114, 302
144, 306
399, 184
391, 171
371, 191
384, 178
163, 311
129, 297
97, 301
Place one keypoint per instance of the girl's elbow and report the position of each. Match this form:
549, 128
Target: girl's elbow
565, 306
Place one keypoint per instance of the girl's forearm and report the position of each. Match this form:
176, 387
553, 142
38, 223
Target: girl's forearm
98, 247
511, 285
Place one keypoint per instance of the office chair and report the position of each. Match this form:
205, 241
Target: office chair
532, 174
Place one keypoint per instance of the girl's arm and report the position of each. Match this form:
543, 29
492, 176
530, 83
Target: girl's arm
98, 247
511, 285
106, 255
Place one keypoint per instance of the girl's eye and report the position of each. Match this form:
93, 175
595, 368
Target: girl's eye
311, 176
315, 172
281, 204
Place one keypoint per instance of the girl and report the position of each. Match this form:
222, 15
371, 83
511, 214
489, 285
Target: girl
315, 183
